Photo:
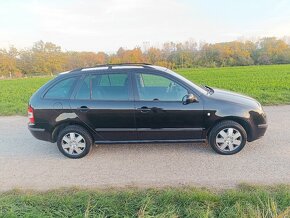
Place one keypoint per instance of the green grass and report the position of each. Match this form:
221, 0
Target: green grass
268, 84
245, 201
15, 94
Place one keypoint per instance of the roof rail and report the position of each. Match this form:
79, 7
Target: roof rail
123, 64
112, 65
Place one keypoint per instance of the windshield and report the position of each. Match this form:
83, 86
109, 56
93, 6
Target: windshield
198, 88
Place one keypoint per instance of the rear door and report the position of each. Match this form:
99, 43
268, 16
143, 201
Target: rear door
104, 101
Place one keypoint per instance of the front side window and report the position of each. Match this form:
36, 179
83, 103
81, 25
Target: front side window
114, 86
62, 89
154, 87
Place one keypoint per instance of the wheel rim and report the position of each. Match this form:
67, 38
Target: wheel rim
73, 143
228, 139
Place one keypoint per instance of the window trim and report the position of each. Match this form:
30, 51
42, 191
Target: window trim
78, 87
156, 73
57, 82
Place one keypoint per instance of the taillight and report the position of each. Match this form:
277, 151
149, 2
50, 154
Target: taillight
30, 114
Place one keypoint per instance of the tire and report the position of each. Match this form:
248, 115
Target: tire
227, 137
74, 142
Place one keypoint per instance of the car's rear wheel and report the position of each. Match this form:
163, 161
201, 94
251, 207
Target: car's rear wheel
74, 141
227, 137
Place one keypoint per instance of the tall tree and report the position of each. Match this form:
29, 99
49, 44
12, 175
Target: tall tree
47, 58
8, 62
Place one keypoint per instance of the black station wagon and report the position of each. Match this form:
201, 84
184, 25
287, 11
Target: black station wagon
140, 103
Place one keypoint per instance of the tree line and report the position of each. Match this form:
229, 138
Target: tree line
46, 58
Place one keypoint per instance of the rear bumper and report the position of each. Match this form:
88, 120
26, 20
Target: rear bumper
40, 133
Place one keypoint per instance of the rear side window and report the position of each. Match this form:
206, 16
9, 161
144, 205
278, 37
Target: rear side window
114, 86
62, 89
113, 79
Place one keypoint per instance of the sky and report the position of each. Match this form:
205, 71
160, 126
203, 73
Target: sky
106, 25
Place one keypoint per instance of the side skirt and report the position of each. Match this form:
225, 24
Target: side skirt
151, 141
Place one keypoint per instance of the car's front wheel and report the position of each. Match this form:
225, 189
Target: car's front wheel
74, 141
227, 137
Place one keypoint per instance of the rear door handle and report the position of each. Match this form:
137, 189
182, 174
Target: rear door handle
144, 109
83, 108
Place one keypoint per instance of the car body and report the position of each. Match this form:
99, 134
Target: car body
141, 103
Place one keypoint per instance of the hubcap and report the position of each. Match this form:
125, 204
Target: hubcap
73, 143
229, 139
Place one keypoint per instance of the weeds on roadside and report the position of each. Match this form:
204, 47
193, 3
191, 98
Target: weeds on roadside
245, 201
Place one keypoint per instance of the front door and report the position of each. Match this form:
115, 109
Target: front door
160, 112
104, 101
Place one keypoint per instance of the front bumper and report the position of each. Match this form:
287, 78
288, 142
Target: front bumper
261, 130
258, 132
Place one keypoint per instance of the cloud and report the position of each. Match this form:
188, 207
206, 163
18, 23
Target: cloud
95, 25
111, 23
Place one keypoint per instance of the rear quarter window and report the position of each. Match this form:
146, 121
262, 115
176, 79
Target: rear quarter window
62, 89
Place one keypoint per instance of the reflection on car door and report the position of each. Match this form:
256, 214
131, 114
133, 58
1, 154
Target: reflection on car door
160, 113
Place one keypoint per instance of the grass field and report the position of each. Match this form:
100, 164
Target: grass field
15, 93
268, 84
245, 201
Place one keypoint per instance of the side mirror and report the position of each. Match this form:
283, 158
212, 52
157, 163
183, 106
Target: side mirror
190, 98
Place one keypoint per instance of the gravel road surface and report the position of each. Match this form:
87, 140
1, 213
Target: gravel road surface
27, 163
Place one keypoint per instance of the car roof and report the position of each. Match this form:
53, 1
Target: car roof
139, 66
117, 66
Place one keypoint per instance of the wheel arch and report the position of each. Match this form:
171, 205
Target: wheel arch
239, 120
63, 125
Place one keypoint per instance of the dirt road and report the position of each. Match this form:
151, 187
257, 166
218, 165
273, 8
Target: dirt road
31, 164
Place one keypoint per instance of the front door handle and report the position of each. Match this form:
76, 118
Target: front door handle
83, 108
144, 109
